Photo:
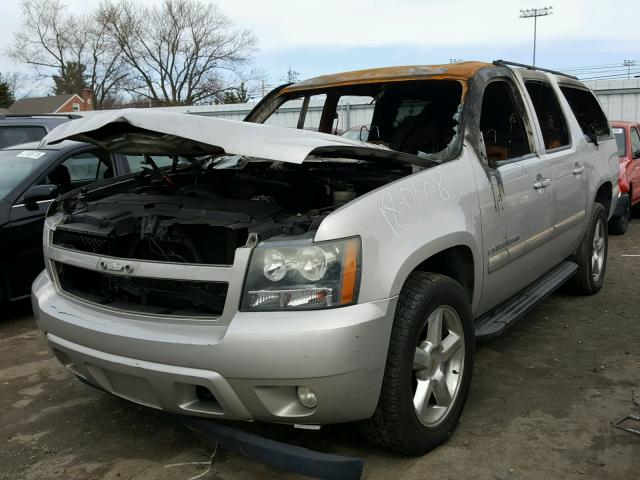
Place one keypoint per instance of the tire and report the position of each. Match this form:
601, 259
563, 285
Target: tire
618, 224
590, 275
396, 424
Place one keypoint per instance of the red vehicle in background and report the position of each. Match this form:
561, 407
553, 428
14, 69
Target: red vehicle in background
628, 139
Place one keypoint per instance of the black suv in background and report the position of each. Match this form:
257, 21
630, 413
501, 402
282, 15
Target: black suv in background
16, 129
30, 179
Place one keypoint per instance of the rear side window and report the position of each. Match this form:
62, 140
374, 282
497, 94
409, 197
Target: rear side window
590, 116
549, 114
15, 135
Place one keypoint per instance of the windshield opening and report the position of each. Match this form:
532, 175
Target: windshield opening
16, 166
415, 117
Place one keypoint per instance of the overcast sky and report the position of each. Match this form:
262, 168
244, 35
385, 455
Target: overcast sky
333, 35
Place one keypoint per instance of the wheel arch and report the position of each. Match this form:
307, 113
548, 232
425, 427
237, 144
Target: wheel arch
604, 196
455, 256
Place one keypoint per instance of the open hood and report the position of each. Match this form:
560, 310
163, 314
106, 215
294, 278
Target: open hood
138, 131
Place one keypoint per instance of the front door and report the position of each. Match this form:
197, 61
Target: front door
27, 221
517, 209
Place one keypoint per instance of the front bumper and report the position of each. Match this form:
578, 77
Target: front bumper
248, 369
621, 205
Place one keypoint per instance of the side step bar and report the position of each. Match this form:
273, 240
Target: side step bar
496, 321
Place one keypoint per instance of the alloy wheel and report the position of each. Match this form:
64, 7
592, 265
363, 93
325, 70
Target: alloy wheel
598, 251
438, 365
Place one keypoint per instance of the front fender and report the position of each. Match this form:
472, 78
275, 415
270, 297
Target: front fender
404, 223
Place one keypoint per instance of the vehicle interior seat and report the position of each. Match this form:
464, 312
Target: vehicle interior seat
60, 176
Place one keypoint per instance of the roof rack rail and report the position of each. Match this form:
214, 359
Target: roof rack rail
506, 63
27, 115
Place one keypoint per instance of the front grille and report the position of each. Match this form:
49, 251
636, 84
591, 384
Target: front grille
143, 295
82, 241
199, 244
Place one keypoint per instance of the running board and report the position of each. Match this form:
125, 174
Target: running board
496, 321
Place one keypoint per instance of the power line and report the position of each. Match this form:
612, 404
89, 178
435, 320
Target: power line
599, 67
618, 76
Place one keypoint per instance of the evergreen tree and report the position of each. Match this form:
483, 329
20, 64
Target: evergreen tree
72, 80
6, 94
234, 95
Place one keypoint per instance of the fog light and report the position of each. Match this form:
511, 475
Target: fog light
307, 397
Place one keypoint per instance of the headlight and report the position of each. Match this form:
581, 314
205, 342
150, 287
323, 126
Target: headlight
306, 276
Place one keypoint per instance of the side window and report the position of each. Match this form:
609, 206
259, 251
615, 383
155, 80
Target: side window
587, 111
314, 112
288, 114
355, 113
38, 133
501, 124
15, 135
136, 162
85, 167
549, 114
635, 143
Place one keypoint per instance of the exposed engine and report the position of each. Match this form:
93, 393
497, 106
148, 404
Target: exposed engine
203, 215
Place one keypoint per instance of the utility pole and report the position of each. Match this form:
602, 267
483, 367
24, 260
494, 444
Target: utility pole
629, 64
535, 13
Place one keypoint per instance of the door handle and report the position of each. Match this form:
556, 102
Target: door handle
578, 169
541, 183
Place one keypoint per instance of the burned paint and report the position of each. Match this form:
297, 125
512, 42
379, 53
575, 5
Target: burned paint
455, 71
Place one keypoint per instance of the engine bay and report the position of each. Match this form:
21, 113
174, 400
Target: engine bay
202, 214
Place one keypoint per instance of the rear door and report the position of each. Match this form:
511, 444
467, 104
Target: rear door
566, 166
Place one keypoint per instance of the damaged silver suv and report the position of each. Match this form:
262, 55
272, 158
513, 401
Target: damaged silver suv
295, 276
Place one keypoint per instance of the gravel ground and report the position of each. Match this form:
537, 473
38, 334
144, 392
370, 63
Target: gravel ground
542, 402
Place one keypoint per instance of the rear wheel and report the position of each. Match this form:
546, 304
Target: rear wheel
429, 366
591, 256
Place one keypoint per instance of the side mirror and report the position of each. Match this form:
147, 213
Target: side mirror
37, 193
636, 154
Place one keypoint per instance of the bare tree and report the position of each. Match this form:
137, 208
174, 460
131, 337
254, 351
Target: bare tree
291, 76
21, 84
43, 37
182, 52
106, 70
52, 40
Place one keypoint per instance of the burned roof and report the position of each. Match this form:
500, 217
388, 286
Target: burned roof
453, 71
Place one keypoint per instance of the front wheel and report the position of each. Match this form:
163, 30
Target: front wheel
591, 256
429, 366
